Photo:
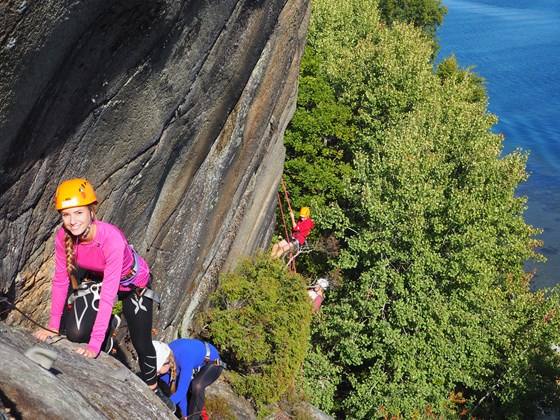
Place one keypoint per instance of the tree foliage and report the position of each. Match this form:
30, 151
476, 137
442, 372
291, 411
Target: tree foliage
318, 141
449, 70
435, 316
425, 14
260, 319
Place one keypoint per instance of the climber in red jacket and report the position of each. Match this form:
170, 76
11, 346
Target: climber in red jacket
299, 233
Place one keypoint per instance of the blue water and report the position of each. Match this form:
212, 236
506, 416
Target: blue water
515, 46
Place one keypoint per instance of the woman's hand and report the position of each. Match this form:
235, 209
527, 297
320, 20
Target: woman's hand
42, 334
85, 352
293, 218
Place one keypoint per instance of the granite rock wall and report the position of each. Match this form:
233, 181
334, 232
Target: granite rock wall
175, 112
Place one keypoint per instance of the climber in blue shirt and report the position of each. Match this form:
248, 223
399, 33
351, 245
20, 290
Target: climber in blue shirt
188, 365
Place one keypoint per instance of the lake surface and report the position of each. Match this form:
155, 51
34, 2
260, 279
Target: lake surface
515, 46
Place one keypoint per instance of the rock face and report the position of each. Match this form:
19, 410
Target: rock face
74, 387
174, 110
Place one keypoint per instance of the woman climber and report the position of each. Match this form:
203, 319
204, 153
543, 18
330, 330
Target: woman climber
317, 292
95, 259
186, 367
299, 233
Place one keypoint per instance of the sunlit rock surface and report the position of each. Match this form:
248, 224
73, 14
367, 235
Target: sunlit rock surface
74, 387
174, 110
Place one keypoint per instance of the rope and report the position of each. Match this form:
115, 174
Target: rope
305, 248
282, 213
292, 263
285, 230
7, 302
286, 194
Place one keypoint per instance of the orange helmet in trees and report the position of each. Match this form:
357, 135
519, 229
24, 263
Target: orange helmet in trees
304, 212
74, 193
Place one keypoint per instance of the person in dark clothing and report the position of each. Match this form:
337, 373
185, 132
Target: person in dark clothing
186, 367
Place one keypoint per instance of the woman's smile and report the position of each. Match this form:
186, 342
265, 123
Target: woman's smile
76, 219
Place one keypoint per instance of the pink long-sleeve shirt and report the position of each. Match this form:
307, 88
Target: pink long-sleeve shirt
109, 255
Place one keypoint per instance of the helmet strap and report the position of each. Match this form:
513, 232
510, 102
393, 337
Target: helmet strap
91, 219
86, 232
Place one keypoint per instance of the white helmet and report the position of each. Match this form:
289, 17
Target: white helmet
324, 283
162, 353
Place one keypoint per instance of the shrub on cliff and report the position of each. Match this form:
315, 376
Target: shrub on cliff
260, 320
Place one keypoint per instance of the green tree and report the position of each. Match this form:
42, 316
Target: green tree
435, 315
318, 143
317, 140
449, 70
435, 300
259, 319
425, 14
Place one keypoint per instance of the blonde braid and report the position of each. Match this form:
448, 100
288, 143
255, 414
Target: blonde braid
172, 374
69, 253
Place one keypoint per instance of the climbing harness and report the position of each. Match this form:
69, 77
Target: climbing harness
147, 293
141, 291
300, 249
92, 286
85, 288
131, 276
216, 362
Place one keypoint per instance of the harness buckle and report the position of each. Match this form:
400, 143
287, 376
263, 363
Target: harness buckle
216, 362
148, 293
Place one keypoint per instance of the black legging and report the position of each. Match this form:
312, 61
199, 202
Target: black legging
79, 320
138, 314
207, 375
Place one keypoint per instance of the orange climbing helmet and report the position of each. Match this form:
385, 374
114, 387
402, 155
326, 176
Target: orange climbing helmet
74, 193
304, 212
